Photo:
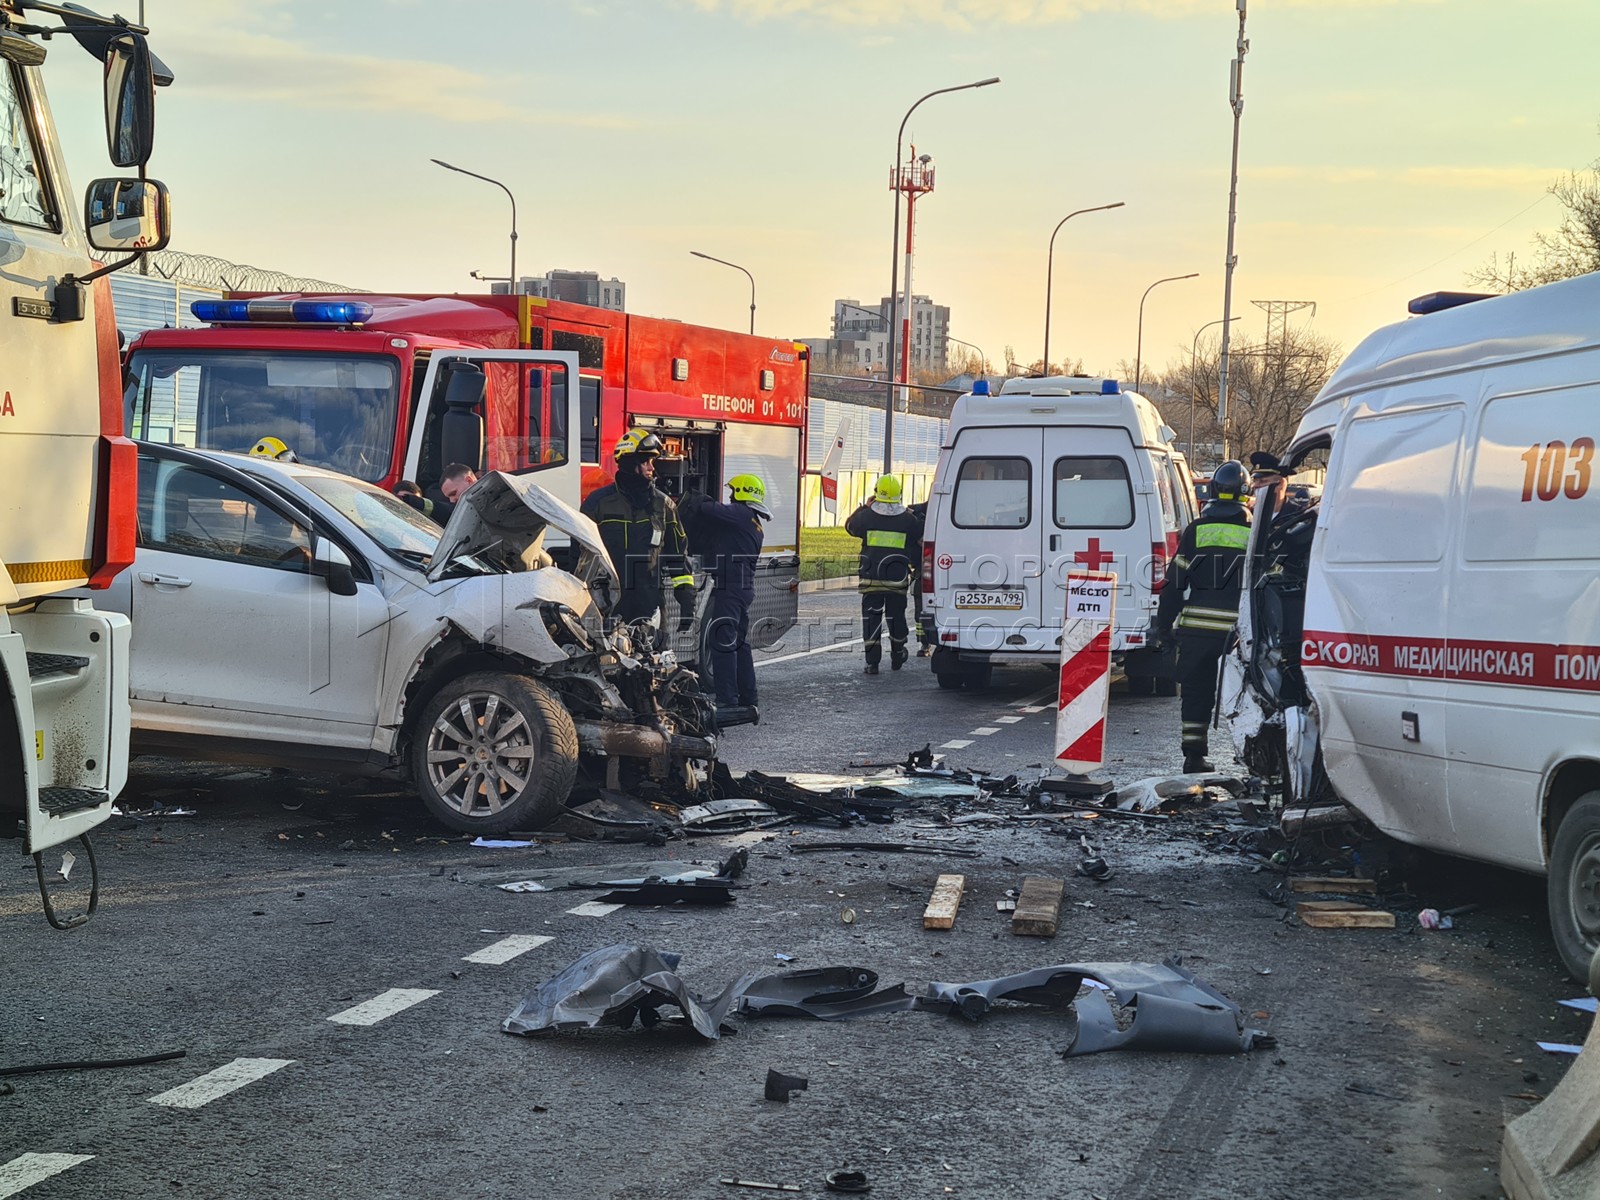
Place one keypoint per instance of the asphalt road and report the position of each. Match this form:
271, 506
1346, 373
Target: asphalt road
240, 933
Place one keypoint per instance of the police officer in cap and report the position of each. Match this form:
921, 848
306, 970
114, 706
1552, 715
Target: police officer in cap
1201, 600
640, 528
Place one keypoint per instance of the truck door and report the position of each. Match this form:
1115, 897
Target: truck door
994, 538
1097, 505
548, 443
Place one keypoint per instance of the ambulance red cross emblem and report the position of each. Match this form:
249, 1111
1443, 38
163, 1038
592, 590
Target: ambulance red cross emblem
1093, 557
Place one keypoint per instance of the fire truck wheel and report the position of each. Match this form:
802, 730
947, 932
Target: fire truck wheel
494, 752
1574, 885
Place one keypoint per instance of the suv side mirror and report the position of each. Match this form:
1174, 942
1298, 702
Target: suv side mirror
127, 214
330, 562
130, 100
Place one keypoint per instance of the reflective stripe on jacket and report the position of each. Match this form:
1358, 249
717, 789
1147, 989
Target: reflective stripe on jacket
642, 539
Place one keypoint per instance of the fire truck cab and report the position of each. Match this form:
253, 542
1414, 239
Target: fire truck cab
392, 387
67, 516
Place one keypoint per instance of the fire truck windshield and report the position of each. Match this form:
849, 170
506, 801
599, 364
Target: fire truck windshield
334, 411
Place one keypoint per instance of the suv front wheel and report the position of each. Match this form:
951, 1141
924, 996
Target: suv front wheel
494, 752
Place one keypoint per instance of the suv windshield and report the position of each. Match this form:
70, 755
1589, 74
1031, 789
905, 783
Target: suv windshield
387, 520
334, 411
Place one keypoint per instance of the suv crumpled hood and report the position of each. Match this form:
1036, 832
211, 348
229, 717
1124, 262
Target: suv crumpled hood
507, 514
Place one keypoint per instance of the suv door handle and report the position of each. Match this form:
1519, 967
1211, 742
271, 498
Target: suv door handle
163, 580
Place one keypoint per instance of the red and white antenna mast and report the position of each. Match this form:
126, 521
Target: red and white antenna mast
914, 180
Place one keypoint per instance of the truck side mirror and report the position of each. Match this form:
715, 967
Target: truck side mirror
130, 100
464, 386
330, 562
127, 214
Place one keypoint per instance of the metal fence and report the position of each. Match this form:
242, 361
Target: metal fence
916, 452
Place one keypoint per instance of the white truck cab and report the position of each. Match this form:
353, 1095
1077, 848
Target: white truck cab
1048, 476
1431, 655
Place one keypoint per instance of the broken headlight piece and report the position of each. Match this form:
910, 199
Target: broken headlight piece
565, 627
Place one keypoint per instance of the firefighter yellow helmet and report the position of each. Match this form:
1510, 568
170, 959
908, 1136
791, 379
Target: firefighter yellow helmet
748, 488
888, 490
638, 441
274, 448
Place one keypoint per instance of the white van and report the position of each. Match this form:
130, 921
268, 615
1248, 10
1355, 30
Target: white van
1439, 667
1050, 475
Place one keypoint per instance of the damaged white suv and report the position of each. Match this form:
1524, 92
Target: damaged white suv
289, 616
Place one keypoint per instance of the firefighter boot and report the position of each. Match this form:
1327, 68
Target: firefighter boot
897, 655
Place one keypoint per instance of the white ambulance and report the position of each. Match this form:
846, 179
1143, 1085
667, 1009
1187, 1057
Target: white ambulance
1439, 666
1048, 476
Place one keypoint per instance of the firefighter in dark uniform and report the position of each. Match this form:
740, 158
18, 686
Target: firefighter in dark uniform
1201, 599
728, 539
641, 531
890, 534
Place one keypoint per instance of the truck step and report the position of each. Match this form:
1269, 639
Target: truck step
59, 801
54, 664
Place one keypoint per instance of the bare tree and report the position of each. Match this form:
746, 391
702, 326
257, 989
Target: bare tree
1269, 388
1573, 249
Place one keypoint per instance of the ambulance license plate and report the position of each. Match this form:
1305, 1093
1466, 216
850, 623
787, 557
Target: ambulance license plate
1005, 599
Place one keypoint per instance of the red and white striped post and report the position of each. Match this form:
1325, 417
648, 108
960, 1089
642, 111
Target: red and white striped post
1082, 702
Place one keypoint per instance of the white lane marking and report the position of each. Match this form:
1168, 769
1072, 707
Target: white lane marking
1006, 720
595, 909
229, 1077
984, 730
957, 744
28, 1169
506, 949
1036, 708
383, 1005
1035, 698
767, 662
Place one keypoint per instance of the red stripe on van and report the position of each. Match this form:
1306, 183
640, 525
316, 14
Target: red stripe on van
1522, 664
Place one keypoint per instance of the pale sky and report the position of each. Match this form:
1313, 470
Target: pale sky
1388, 147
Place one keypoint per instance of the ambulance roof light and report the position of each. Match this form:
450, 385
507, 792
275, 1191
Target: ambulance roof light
980, 387
1109, 387
282, 312
1439, 301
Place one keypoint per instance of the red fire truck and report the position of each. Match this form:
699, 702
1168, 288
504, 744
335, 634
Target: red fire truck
363, 384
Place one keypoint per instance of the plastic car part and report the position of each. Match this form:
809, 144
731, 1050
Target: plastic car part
728, 816
780, 1085
614, 987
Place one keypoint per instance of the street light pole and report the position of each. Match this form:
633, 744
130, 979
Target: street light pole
894, 273
1050, 270
1138, 351
512, 286
1194, 379
983, 358
747, 275
1236, 101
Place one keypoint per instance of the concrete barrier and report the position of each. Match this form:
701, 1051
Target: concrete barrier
1550, 1152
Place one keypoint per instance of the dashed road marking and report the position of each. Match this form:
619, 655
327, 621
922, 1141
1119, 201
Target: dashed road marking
229, 1077
957, 744
28, 1169
1006, 720
767, 662
1036, 708
984, 730
506, 949
595, 909
1035, 698
381, 1006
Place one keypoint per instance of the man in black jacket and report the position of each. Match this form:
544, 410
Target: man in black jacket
642, 533
890, 534
728, 539
1201, 598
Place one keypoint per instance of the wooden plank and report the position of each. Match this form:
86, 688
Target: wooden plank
1334, 883
1341, 914
942, 905
1038, 907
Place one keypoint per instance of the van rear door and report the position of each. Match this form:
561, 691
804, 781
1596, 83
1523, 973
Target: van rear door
993, 534
1097, 504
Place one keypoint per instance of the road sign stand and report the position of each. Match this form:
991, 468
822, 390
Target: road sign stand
1083, 698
